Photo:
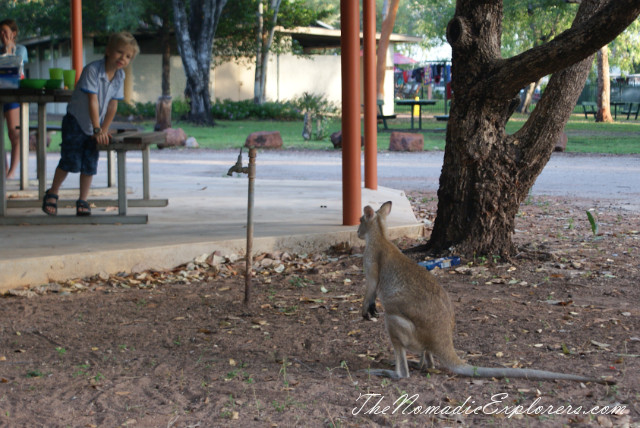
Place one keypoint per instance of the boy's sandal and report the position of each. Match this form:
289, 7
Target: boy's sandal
46, 204
82, 208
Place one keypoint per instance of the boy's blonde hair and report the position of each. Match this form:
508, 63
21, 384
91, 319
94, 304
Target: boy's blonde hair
123, 38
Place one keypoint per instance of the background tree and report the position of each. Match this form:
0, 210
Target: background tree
264, 40
625, 50
529, 23
51, 17
603, 92
486, 172
247, 34
390, 10
196, 22
158, 15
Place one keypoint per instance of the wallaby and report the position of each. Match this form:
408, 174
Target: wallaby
419, 315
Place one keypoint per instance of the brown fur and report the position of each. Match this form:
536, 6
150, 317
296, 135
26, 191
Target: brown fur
419, 315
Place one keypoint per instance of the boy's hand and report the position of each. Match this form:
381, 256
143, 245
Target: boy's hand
10, 48
102, 138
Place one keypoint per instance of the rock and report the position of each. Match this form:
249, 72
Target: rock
336, 139
202, 258
264, 140
561, 144
215, 260
175, 137
191, 143
406, 142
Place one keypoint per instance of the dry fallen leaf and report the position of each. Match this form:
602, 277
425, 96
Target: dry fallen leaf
600, 345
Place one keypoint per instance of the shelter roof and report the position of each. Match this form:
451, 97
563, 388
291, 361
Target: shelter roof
324, 38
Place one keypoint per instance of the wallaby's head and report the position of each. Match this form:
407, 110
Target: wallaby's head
371, 219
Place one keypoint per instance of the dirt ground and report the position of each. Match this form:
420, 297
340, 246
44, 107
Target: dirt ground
179, 348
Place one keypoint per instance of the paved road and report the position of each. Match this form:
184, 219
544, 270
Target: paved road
606, 178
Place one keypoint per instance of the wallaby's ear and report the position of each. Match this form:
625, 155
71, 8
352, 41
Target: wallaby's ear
368, 213
385, 209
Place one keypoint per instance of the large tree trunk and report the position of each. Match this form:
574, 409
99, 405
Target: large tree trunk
194, 34
603, 97
486, 172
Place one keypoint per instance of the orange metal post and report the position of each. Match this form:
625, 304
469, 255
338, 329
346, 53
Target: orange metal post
76, 36
370, 96
350, 59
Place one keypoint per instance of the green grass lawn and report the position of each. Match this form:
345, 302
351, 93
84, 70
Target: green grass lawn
622, 137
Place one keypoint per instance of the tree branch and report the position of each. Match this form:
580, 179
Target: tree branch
583, 39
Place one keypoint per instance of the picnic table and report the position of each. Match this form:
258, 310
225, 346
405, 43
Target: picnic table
628, 108
615, 105
121, 143
24, 96
414, 103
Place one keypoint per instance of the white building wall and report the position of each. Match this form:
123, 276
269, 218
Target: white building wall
289, 76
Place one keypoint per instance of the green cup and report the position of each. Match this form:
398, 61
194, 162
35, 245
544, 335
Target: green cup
69, 79
55, 73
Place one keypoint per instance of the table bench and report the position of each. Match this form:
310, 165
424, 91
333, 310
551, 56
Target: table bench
589, 108
382, 116
629, 110
121, 143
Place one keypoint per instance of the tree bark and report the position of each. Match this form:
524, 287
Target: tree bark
194, 34
603, 97
486, 172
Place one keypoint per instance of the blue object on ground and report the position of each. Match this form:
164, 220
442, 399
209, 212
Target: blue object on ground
441, 263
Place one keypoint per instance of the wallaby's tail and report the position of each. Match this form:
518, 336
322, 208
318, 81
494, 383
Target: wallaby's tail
471, 371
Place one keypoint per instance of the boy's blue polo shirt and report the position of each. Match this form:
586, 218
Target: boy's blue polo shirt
94, 80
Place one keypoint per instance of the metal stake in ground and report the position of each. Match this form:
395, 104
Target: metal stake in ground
251, 171
252, 176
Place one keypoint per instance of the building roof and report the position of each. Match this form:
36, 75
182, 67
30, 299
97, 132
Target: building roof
325, 38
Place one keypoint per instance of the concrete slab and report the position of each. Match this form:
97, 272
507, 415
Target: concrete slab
206, 213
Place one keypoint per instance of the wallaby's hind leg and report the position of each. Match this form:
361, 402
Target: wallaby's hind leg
401, 332
402, 368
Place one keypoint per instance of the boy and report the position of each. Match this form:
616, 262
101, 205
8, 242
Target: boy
90, 112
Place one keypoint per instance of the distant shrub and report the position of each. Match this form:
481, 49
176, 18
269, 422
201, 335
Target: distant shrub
247, 109
179, 109
315, 108
223, 110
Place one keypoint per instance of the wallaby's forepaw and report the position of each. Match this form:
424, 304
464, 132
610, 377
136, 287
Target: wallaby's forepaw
370, 311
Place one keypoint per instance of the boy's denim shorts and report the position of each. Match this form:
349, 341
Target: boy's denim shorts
10, 106
78, 152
